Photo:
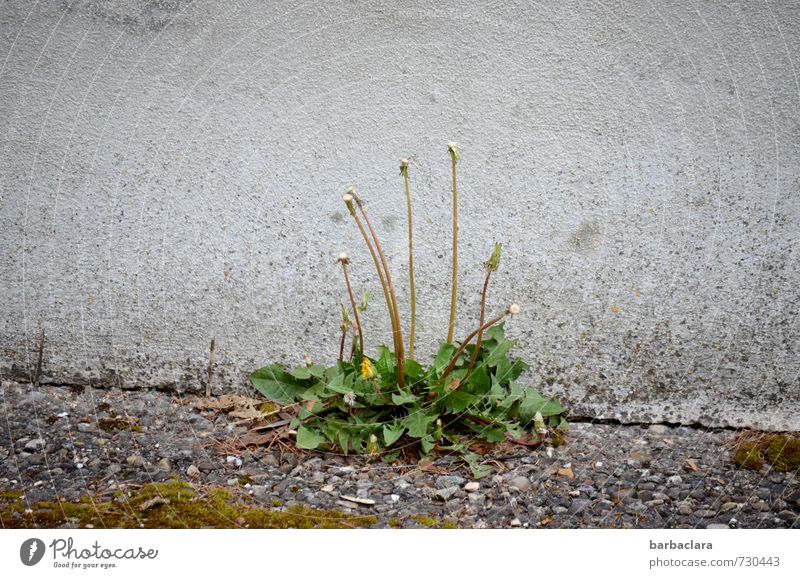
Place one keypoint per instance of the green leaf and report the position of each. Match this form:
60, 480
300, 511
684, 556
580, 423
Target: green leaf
418, 423
479, 381
386, 363
276, 385
504, 371
403, 397
478, 470
308, 372
457, 401
338, 384
308, 439
413, 369
427, 444
499, 352
344, 440
495, 332
533, 402
391, 457
446, 351
492, 435
518, 369
392, 433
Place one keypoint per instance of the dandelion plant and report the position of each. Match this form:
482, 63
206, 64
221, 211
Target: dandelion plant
381, 405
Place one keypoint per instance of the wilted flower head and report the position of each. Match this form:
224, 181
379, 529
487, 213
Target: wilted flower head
453, 148
348, 200
343, 258
514, 309
349, 399
404, 167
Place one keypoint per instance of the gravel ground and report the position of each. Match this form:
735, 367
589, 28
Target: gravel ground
54, 446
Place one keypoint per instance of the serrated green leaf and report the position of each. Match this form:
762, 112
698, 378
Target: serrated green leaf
276, 385
499, 353
308, 439
457, 401
403, 397
479, 470
479, 381
495, 332
533, 402
418, 423
427, 444
338, 385
392, 433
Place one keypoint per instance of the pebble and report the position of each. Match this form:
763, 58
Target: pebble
447, 493
472, 487
135, 460
449, 481
658, 429
705, 513
520, 483
193, 471
35, 445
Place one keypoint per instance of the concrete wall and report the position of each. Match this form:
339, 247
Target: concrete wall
172, 171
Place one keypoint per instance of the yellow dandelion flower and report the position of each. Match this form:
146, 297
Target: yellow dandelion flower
367, 369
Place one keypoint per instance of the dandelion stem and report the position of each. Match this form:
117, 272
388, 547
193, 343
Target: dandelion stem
398, 345
491, 266
477, 349
344, 263
398, 334
454, 283
469, 338
341, 345
412, 287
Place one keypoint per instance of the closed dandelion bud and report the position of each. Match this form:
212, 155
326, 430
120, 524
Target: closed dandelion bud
494, 261
372, 445
404, 167
345, 326
438, 433
538, 423
343, 258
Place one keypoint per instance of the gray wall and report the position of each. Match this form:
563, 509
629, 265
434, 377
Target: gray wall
173, 171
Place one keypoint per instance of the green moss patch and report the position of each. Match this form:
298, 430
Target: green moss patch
780, 450
173, 504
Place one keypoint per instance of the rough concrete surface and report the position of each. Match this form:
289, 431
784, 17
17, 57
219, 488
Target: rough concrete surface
173, 171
